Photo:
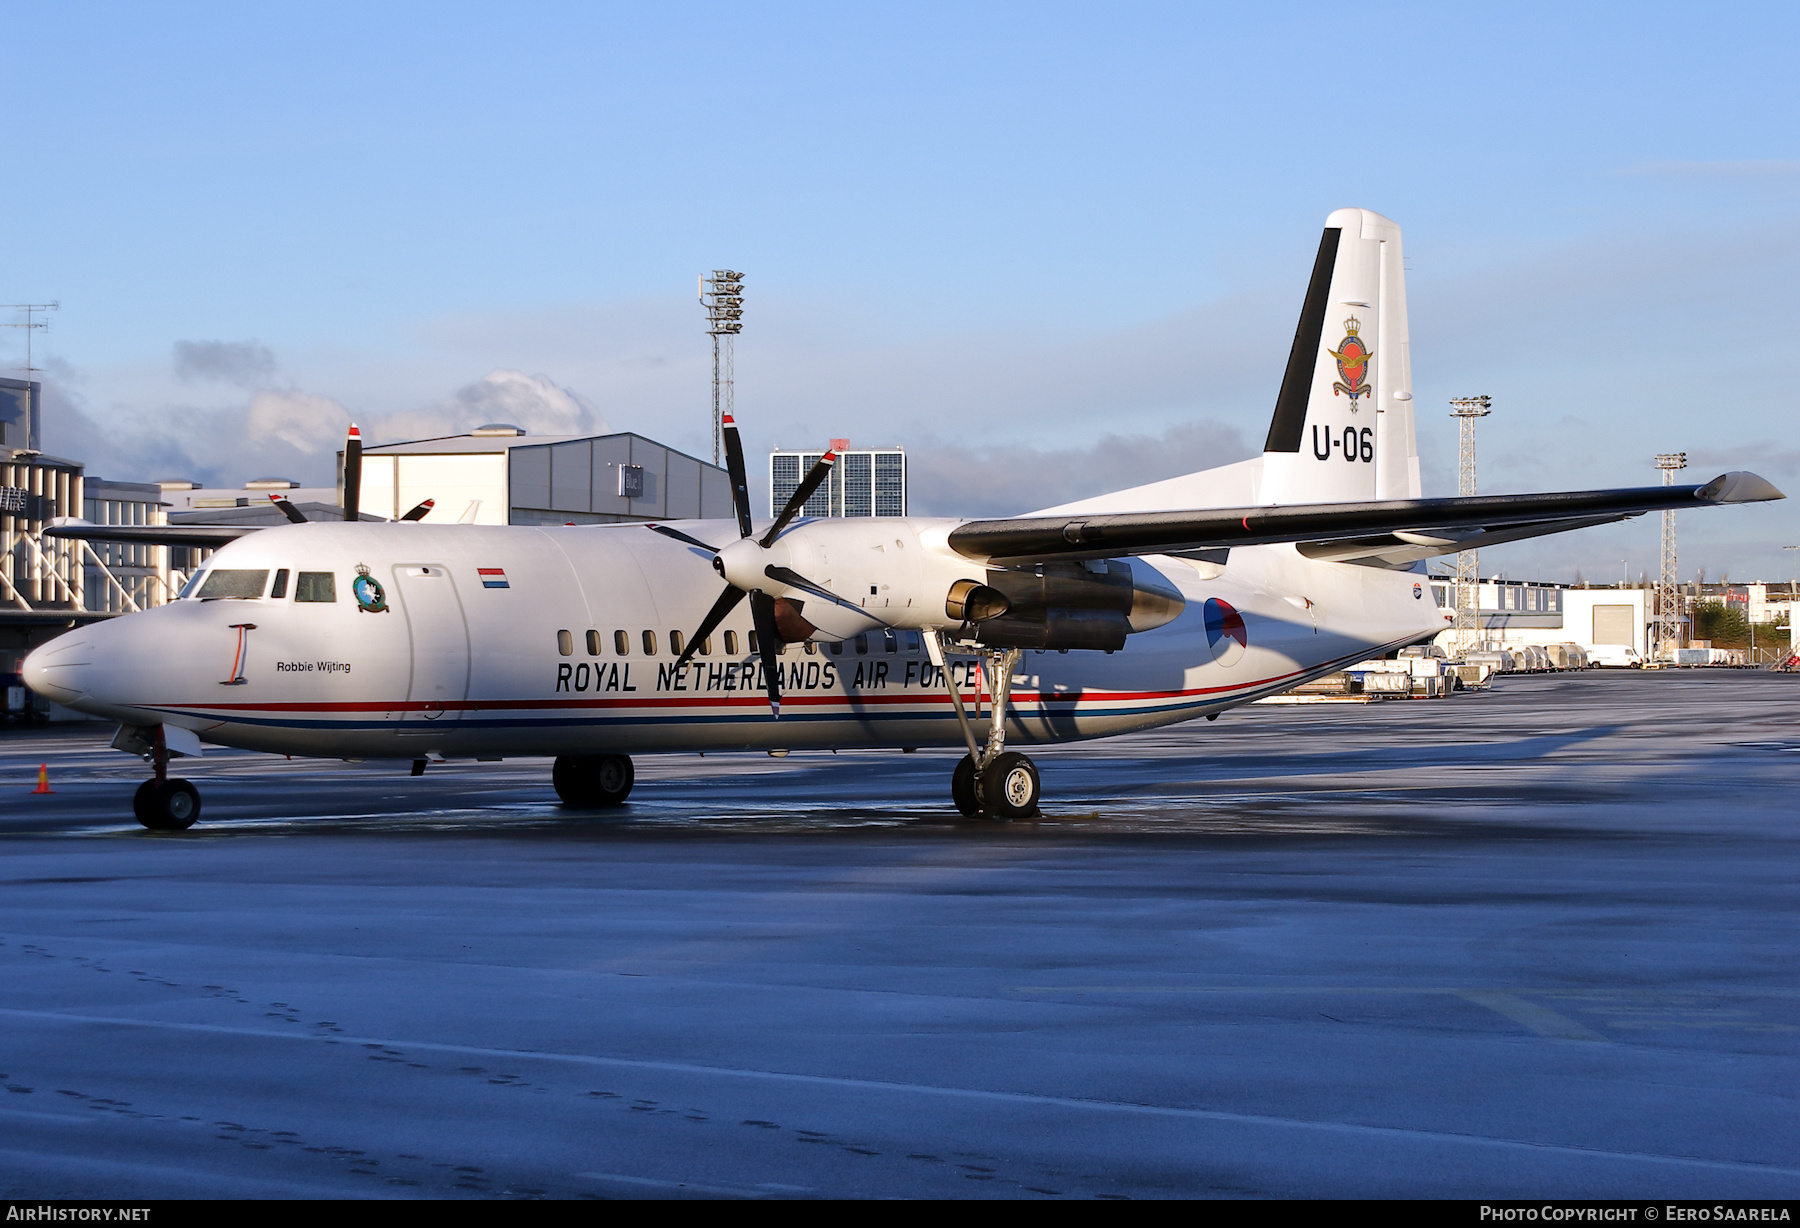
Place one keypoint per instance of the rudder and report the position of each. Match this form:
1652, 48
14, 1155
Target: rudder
1342, 430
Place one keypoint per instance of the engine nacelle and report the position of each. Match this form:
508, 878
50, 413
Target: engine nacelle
1092, 604
900, 572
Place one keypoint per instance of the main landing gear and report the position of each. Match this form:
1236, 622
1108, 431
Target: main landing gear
162, 804
990, 780
592, 781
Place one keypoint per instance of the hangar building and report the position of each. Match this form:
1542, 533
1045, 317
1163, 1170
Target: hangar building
500, 475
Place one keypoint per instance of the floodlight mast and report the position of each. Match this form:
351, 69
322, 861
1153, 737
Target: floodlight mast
1467, 628
722, 295
1666, 601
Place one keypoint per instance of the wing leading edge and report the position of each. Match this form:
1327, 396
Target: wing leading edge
1387, 529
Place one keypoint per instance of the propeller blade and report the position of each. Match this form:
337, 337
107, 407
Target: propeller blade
734, 465
768, 646
353, 474
421, 511
726, 603
818, 473
679, 536
288, 509
794, 579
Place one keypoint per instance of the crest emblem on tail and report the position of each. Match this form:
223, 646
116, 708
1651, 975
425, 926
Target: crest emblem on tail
1352, 364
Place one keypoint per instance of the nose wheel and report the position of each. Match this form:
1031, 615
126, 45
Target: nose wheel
162, 803
166, 805
589, 782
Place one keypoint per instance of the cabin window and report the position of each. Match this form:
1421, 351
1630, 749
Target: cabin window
836, 647
862, 645
812, 649
315, 586
280, 588
890, 642
565, 643
754, 646
649, 643
223, 583
675, 642
731, 643
593, 643
706, 647
912, 643
621, 644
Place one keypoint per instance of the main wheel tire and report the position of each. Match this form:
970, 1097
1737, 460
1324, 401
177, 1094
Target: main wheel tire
1009, 786
962, 788
141, 804
168, 805
592, 781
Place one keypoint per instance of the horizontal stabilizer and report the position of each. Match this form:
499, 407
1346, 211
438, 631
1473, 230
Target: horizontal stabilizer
1446, 521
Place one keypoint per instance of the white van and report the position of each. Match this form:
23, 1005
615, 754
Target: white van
1614, 656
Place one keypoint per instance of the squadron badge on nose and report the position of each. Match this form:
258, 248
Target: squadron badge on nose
371, 598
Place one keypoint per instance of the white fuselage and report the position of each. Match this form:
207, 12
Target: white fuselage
533, 662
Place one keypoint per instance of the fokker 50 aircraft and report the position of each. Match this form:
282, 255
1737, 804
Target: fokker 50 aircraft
1158, 604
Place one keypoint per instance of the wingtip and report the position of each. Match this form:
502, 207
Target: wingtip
1739, 486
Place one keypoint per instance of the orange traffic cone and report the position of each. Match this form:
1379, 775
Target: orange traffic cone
43, 779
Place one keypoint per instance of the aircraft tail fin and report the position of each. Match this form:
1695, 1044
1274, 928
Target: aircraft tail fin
1343, 425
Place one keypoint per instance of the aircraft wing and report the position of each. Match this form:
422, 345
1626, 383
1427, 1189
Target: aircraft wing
198, 536
1340, 530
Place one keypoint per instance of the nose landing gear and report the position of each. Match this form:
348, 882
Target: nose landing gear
990, 780
162, 804
591, 781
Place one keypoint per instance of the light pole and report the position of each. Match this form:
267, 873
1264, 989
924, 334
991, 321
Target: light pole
1793, 602
1468, 563
722, 295
1668, 621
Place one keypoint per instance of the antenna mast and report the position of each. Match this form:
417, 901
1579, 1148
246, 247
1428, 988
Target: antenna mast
722, 295
30, 310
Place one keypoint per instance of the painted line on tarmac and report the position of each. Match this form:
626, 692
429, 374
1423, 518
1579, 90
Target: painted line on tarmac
64, 1118
927, 1089
764, 1190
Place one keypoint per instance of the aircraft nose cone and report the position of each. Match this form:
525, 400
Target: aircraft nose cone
58, 670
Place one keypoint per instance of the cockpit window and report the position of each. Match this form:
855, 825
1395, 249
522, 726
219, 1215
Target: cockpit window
227, 582
315, 586
187, 590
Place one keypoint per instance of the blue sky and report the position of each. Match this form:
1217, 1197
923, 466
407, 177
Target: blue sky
1050, 249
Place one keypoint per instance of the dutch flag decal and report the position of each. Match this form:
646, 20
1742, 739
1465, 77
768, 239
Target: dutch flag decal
492, 577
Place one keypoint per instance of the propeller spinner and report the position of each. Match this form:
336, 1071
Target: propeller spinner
765, 611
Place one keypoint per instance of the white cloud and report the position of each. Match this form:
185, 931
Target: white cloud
308, 423
535, 402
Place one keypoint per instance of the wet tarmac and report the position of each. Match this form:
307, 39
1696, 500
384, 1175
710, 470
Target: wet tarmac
1537, 942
